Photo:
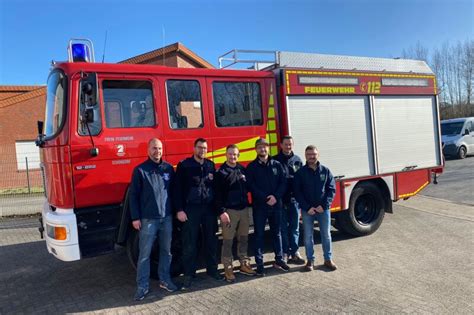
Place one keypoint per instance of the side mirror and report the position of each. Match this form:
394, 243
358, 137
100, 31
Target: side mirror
40, 139
466, 132
40, 127
89, 90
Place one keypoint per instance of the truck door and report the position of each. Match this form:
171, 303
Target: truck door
124, 120
186, 116
238, 115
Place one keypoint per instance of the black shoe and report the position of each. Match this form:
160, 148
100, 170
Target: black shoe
187, 283
260, 271
216, 276
281, 265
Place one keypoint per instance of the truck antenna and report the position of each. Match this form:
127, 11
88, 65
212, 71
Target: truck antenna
105, 43
162, 48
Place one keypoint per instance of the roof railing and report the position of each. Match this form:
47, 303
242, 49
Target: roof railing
244, 56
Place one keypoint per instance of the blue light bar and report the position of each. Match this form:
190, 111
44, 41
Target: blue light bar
80, 53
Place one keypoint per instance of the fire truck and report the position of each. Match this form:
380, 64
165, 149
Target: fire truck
375, 122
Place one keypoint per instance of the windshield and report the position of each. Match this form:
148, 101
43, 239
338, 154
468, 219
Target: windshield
55, 104
451, 129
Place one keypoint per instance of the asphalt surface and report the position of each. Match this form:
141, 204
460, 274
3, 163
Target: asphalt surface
456, 183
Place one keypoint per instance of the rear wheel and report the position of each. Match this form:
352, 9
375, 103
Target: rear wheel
462, 152
365, 213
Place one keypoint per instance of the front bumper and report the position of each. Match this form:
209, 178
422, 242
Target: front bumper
450, 149
67, 249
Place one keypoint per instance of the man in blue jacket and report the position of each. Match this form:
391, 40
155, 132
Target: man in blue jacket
150, 208
290, 231
267, 183
193, 199
315, 188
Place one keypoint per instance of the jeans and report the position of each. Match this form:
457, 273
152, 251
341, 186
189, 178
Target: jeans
324, 220
199, 216
260, 216
150, 229
290, 228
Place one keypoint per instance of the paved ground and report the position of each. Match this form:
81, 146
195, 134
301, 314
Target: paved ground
456, 183
21, 204
419, 261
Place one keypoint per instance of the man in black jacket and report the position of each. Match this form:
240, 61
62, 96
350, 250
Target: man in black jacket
290, 231
193, 199
233, 207
315, 189
267, 183
150, 208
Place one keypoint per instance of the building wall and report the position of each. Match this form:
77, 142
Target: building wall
18, 123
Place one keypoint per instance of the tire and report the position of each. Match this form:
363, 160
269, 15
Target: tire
462, 152
133, 251
365, 213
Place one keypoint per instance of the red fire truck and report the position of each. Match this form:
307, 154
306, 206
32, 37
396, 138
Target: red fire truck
375, 122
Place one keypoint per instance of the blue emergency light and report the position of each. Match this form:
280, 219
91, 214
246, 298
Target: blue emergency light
81, 50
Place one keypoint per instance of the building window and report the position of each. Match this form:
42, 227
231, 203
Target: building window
237, 104
128, 104
184, 104
27, 155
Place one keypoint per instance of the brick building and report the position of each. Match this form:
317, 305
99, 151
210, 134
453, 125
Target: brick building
22, 106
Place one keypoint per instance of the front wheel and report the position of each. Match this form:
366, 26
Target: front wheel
462, 152
365, 213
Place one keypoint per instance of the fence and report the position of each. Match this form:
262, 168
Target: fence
21, 182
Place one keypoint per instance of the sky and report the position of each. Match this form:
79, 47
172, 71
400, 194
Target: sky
35, 32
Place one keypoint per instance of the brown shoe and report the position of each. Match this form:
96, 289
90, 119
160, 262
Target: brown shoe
246, 269
229, 274
296, 259
309, 266
330, 265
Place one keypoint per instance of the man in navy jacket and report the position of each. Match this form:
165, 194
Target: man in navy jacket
193, 199
150, 208
290, 231
314, 188
267, 183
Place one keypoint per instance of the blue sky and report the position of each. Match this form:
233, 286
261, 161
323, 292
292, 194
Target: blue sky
34, 32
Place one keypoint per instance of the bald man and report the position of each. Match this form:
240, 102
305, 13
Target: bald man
150, 208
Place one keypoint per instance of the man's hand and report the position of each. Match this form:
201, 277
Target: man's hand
312, 211
182, 217
136, 224
319, 209
225, 219
271, 200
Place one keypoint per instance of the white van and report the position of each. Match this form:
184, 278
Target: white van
458, 137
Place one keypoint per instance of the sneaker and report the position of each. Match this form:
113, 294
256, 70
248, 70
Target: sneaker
260, 271
309, 266
329, 264
168, 286
229, 274
140, 294
281, 265
216, 276
246, 269
285, 257
297, 259
187, 282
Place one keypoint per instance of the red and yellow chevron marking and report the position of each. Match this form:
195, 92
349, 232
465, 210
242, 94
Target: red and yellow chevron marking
271, 135
415, 192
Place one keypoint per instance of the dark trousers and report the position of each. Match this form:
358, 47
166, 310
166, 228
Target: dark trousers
200, 218
260, 217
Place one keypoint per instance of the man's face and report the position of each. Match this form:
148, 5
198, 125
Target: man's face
200, 150
311, 156
232, 155
287, 146
155, 150
262, 150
